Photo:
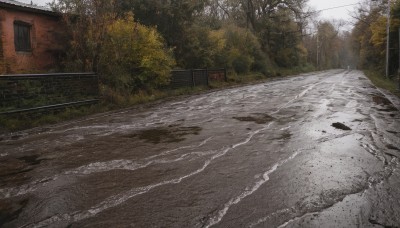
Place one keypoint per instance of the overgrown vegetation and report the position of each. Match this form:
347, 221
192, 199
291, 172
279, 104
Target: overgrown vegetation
114, 101
22, 121
243, 36
133, 57
369, 38
389, 84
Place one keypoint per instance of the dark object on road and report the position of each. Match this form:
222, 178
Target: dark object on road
341, 126
166, 135
258, 118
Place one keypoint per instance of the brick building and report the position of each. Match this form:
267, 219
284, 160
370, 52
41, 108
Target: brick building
30, 38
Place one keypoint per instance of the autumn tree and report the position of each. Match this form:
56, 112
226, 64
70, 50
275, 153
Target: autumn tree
134, 57
278, 25
127, 55
362, 46
86, 22
370, 37
173, 20
328, 45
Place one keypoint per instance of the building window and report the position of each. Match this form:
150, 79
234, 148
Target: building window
22, 36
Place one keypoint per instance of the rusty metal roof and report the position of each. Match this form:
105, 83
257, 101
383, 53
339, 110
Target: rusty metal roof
26, 7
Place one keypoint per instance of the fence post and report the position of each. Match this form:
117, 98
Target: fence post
225, 75
193, 82
97, 90
398, 80
207, 77
398, 71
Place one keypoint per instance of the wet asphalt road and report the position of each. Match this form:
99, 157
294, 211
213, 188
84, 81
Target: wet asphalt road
316, 150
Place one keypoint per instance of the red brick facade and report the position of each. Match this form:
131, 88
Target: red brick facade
45, 40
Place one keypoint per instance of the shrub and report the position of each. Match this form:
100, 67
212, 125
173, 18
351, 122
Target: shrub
134, 57
237, 49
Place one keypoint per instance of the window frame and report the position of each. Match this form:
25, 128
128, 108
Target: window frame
22, 43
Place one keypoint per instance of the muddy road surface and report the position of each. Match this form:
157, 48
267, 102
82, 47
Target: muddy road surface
316, 150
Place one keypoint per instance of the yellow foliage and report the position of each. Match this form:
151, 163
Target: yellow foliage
378, 29
218, 39
134, 56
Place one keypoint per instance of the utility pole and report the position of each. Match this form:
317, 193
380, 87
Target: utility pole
317, 51
248, 14
387, 39
398, 72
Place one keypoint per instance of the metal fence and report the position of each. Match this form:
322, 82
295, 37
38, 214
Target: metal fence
196, 77
217, 75
31, 92
34, 92
398, 81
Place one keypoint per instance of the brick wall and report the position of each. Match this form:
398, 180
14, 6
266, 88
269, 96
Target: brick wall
3, 68
46, 42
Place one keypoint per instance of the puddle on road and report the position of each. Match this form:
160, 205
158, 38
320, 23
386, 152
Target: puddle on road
15, 168
171, 134
257, 118
31, 160
341, 126
284, 136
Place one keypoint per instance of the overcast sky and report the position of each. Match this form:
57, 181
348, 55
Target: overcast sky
340, 13
37, 2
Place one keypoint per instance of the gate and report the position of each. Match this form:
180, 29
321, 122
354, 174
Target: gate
196, 77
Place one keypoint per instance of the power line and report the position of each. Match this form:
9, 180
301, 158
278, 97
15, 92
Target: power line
337, 7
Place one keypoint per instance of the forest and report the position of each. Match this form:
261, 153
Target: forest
134, 44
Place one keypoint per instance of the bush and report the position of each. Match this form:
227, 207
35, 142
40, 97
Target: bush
134, 57
242, 64
231, 46
237, 49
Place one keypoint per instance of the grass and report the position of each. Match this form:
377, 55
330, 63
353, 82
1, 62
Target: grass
16, 122
111, 101
256, 77
380, 81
